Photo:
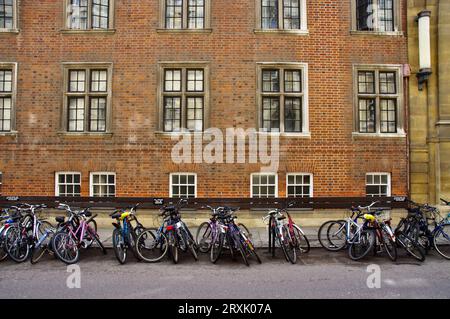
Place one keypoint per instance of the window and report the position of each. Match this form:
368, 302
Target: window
264, 185
376, 15
299, 185
378, 184
283, 98
378, 102
185, 14
7, 96
87, 98
184, 98
289, 15
1, 182
89, 14
103, 185
8, 15
183, 185
68, 184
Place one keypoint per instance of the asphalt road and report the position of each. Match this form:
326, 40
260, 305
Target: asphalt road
318, 275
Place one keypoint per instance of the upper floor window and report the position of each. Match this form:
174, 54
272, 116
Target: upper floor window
379, 100
183, 185
1, 182
281, 15
185, 14
282, 98
8, 15
376, 15
184, 97
7, 96
87, 100
103, 185
89, 14
68, 184
378, 184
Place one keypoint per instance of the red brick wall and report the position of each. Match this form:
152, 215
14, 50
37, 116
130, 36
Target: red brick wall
140, 157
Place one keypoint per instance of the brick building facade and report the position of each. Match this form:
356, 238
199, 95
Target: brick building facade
95, 91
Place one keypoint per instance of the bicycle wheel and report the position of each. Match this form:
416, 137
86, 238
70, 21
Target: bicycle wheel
441, 241
190, 243
301, 240
16, 243
412, 247
230, 245
151, 245
242, 250
360, 248
173, 247
132, 237
119, 246
216, 247
38, 250
3, 253
287, 246
337, 235
88, 239
66, 248
389, 244
244, 230
203, 237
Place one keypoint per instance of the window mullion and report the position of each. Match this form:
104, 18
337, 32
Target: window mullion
280, 15
87, 100
375, 12
184, 23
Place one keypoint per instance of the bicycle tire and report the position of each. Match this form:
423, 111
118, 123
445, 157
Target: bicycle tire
58, 241
413, 248
287, 247
16, 253
241, 249
392, 252
302, 241
334, 236
117, 241
203, 245
216, 252
358, 251
147, 242
446, 241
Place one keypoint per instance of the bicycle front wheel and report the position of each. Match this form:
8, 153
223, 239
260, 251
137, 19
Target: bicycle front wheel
411, 246
203, 237
337, 235
16, 244
120, 249
360, 248
302, 241
216, 247
389, 244
441, 241
151, 246
66, 248
287, 246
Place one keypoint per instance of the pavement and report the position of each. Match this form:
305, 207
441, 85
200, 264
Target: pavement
319, 274
259, 236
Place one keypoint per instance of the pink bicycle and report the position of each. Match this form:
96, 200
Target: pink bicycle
79, 231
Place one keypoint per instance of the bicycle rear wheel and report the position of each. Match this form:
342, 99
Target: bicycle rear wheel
203, 237
411, 246
3, 253
151, 245
441, 241
389, 244
119, 246
216, 248
360, 249
16, 244
242, 250
302, 241
287, 246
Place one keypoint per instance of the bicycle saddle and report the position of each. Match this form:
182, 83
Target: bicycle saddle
116, 215
281, 217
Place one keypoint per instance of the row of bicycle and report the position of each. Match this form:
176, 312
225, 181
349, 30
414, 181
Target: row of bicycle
369, 229
24, 235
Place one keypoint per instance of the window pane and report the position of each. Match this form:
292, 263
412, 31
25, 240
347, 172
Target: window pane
76, 114
366, 82
291, 12
174, 14
271, 114
99, 80
269, 14
367, 115
172, 80
387, 83
97, 115
172, 114
5, 81
293, 114
364, 15
78, 14
292, 81
194, 113
195, 80
386, 15
270, 81
5, 114
196, 14
77, 80
100, 14
6, 14
388, 114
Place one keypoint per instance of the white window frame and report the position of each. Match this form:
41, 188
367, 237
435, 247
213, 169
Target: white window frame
389, 183
311, 184
186, 174
91, 182
305, 95
276, 184
15, 26
13, 66
303, 19
57, 181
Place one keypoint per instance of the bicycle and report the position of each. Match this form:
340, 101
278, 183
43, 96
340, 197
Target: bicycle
74, 234
124, 233
8, 218
173, 234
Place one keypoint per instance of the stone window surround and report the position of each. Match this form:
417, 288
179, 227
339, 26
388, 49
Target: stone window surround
14, 67
68, 30
162, 19
15, 28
